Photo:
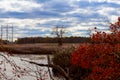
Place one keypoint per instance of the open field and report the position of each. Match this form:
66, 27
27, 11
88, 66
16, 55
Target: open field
44, 45
37, 48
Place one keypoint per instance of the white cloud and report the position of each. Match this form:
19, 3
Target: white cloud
109, 12
76, 34
18, 5
100, 1
76, 28
106, 10
22, 26
73, 16
21, 23
113, 1
87, 11
113, 18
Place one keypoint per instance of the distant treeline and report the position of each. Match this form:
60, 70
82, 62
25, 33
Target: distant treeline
51, 40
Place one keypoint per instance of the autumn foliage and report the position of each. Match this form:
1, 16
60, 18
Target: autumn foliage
102, 56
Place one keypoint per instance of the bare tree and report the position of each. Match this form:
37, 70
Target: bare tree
59, 31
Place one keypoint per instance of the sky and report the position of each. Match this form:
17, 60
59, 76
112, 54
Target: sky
32, 18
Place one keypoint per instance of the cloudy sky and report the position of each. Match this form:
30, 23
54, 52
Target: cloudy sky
38, 17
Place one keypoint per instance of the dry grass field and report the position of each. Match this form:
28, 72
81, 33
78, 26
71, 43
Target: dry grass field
37, 48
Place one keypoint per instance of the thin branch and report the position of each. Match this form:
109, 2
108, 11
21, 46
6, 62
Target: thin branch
57, 67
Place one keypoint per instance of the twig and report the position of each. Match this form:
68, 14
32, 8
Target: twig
57, 67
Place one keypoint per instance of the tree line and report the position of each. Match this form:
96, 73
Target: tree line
27, 40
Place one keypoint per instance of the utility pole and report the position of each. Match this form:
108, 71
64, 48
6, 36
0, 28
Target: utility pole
7, 33
1, 32
1, 35
12, 33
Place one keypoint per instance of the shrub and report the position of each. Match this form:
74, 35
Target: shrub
62, 58
102, 57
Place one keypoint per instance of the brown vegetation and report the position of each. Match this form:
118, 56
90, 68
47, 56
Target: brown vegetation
38, 48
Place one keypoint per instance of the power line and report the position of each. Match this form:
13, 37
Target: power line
5, 32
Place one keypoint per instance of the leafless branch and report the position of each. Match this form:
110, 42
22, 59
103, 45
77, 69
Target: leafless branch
57, 67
